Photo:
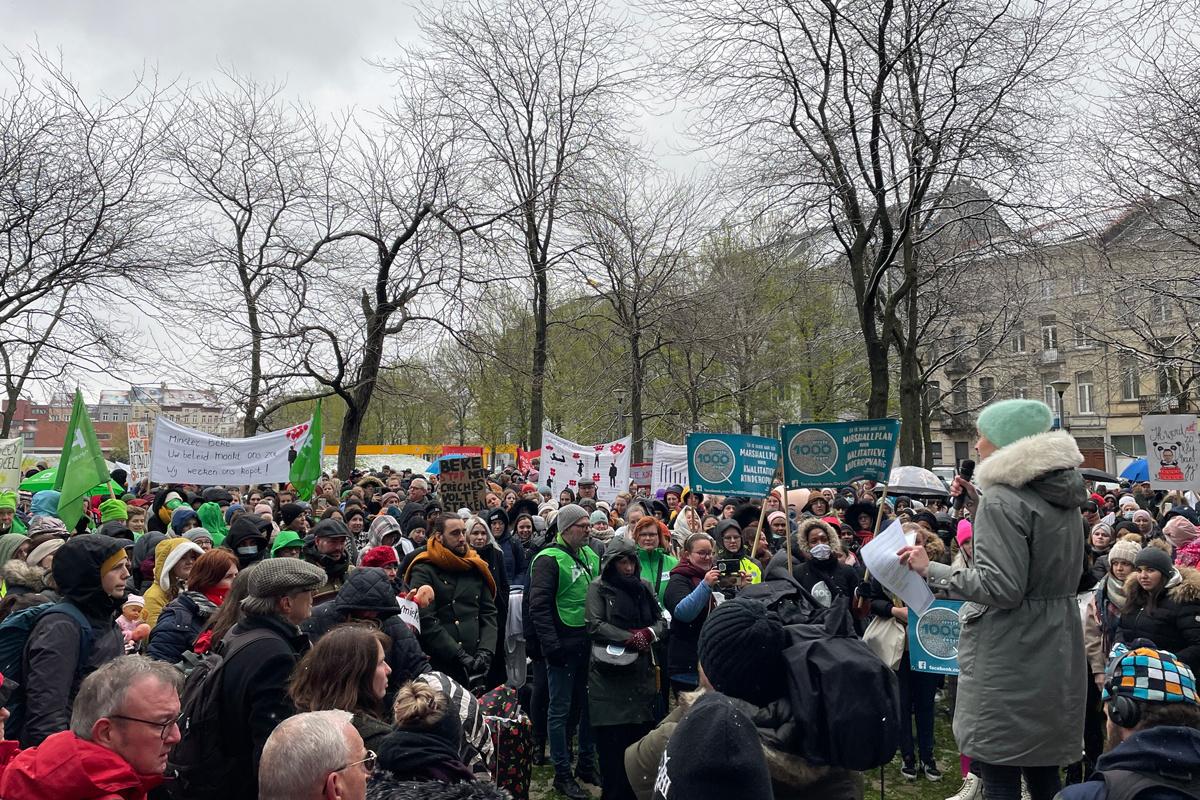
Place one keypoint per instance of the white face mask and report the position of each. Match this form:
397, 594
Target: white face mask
821, 552
248, 550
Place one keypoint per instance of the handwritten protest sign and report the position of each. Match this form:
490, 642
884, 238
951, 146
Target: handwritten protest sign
11, 452
138, 435
463, 483
185, 455
1171, 451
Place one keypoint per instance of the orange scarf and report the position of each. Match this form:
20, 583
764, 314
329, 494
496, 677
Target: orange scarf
443, 558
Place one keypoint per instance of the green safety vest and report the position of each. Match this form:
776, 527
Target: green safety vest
575, 572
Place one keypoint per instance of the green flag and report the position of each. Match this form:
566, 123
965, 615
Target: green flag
81, 465
306, 469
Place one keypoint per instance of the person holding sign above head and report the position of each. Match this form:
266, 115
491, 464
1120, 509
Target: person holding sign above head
1023, 674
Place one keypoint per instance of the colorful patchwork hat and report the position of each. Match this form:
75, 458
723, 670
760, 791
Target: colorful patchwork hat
1149, 675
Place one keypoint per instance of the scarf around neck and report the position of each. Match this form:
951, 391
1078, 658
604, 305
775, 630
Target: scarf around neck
1116, 591
443, 558
694, 574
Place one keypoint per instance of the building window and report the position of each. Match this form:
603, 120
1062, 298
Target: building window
958, 396
1083, 393
1020, 392
1052, 400
1131, 378
1048, 289
1129, 445
987, 390
1018, 340
1160, 308
1080, 284
1049, 336
1083, 339
935, 452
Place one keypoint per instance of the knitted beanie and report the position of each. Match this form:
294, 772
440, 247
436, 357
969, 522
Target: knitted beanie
1007, 421
690, 767
570, 514
1154, 558
289, 512
1149, 675
741, 651
112, 509
380, 556
1124, 551
964, 532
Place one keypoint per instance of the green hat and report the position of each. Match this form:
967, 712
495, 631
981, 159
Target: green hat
8, 500
286, 539
1009, 420
112, 509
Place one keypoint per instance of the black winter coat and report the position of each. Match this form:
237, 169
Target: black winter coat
1174, 621
253, 697
515, 565
52, 649
178, 625
368, 590
684, 639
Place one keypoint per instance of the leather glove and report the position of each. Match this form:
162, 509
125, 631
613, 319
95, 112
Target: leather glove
467, 661
483, 662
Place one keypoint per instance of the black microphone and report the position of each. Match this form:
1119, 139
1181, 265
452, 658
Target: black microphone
966, 471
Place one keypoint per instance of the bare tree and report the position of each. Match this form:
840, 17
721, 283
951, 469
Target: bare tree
252, 171
539, 86
80, 215
856, 116
639, 229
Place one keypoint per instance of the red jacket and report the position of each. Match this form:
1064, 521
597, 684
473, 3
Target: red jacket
66, 767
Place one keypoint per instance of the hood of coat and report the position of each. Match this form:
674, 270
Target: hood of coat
1167, 748
27, 576
616, 549
367, 589
143, 548
776, 726
381, 526
1183, 586
248, 526
167, 554
800, 540
1046, 463
76, 570
9, 543
66, 766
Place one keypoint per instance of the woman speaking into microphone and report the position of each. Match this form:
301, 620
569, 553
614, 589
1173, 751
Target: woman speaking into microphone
1022, 674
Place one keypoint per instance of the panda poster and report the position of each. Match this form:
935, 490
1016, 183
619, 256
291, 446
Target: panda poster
564, 464
1171, 451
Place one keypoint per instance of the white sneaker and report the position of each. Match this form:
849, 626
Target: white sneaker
972, 788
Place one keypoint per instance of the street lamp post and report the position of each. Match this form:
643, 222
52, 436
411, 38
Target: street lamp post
619, 394
1060, 387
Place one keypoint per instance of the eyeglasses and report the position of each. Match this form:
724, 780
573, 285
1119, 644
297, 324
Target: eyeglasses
368, 763
702, 553
164, 727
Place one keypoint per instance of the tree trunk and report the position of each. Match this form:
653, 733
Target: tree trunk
348, 443
360, 399
635, 398
540, 347
254, 395
912, 450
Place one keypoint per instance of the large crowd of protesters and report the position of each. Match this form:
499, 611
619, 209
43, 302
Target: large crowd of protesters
361, 635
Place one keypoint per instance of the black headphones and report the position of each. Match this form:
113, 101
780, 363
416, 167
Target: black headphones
1124, 711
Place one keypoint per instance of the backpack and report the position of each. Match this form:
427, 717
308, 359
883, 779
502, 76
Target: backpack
848, 698
200, 768
1123, 784
14, 635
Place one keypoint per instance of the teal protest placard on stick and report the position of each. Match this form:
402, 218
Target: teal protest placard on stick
933, 638
836, 453
731, 464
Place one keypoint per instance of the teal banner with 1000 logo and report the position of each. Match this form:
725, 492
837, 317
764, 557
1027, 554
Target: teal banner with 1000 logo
837, 453
933, 638
731, 464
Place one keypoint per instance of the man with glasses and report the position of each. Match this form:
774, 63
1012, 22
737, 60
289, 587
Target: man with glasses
123, 725
560, 574
315, 756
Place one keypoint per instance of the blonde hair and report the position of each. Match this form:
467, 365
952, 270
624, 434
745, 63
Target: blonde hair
418, 705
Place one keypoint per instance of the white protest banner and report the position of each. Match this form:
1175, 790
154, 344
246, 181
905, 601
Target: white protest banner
11, 453
1171, 445
881, 560
185, 455
138, 437
564, 463
670, 466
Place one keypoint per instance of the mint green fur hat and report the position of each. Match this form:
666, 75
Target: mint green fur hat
1009, 420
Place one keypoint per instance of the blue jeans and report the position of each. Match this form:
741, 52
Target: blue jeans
568, 687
